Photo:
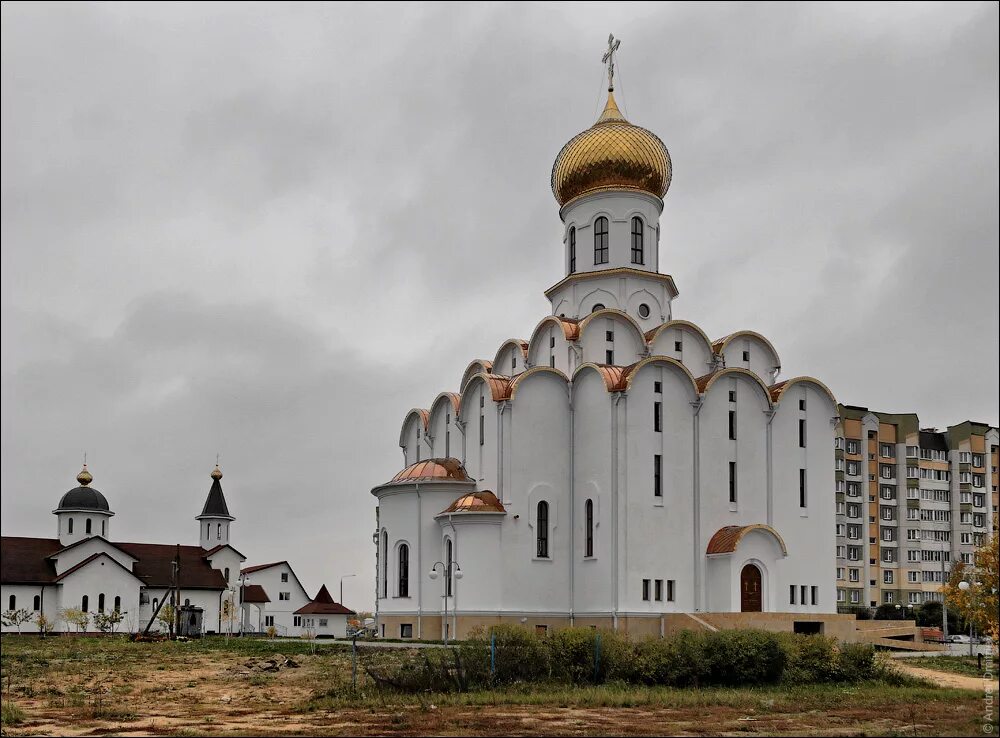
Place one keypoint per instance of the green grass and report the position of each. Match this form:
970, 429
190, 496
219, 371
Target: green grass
12, 714
965, 665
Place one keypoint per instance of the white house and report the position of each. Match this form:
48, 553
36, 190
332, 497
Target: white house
618, 466
83, 569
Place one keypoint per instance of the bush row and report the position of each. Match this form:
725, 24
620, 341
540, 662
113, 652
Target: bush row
688, 659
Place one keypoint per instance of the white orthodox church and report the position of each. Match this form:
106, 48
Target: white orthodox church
619, 468
83, 569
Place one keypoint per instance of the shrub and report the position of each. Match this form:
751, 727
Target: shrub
810, 659
744, 657
12, 714
856, 662
573, 654
521, 656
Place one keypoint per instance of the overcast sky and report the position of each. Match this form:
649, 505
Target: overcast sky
268, 231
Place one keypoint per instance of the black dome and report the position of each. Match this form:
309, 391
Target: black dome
84, 498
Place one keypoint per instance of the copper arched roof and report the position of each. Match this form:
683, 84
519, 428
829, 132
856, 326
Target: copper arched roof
653, 333
614, 376
777, 390
456, 400
435, 470
727, 539
705, 381
570, 327
719, 345
476, 502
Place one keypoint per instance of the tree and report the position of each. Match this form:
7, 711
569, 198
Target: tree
76, 618
107, 622
230, 614
16, 618
166, 617
930, 615
45, 626
978, 604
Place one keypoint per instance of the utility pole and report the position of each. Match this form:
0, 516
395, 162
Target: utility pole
177, 588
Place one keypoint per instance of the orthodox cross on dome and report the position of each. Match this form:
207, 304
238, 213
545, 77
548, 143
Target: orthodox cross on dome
609, 59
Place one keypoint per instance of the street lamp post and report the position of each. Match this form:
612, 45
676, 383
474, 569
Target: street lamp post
964, 585
450, 569
341, 600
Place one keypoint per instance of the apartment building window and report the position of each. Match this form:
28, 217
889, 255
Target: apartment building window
838, 442
887, 471
841, 552
853, 446
841, 529
284, 576
732, 482
889, 534
657, 417
853, 553
854, 489
912, 513
732, 425
887, 576
964, 457
855, 597
888, 555
854, 575
802, 432
977, 461
803, 498
657, 475
888, 513
645, 590
912, 452
853, 468
854, 532
887, 492
887, 451
840, 572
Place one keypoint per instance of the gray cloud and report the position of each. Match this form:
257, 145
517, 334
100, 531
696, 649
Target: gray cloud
268, 231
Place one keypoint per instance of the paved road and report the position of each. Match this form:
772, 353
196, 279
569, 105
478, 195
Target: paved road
954, 649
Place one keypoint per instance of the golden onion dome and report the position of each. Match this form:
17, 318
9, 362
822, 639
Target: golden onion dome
216, 473
612, 154
84, 477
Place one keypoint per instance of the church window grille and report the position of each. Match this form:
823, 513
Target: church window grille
572, 250
404, 570
637, 248
589, 513
100, 602
542, 535
732, 482
601, 240
657, 417
87, 528
36, 604
657, 475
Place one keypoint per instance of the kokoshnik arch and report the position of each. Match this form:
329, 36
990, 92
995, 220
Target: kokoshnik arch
620, 466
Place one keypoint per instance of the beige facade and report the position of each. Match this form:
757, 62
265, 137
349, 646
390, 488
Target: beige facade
910, 502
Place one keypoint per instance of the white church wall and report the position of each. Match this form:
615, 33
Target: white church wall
762, 359
592, 414
82, 551
658, 541
618, 207
627, 344
24, 599
100, 576
695, 352
538, 470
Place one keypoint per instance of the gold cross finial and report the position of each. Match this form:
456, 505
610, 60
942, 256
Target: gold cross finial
609, 59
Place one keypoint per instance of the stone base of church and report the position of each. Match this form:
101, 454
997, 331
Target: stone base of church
636, 625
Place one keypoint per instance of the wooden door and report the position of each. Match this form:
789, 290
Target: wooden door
750, 594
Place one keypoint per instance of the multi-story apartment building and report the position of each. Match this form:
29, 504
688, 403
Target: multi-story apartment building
910, 501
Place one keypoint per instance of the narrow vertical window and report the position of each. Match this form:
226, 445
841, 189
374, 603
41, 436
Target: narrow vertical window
12, 602
601, 240
732, 482
85, 603
802, 432
609, 357
542, 523
657, 475
87, 528
385, 564
732, 425
36, 604
118, 604
670, 590
100, 602
572, 250
814, 595
804, 589
448, 563
657, 416
645, 590
226, 574
104, 527
791, 594
404, 570
658, 590
70, 526
637, 231
218, 531
589, 514
803, 496
447, 443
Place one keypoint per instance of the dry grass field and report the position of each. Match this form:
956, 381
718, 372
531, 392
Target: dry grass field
94, 686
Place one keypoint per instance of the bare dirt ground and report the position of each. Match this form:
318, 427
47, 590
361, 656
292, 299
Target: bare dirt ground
149, 690
943, 678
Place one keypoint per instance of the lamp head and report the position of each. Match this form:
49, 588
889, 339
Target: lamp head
964, 586
433, 574
458, 574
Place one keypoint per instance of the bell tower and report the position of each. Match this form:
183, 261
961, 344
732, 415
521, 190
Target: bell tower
213, 523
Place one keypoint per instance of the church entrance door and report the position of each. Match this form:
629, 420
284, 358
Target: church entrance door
750, 594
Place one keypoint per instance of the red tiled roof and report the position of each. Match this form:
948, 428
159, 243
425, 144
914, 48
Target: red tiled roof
218, 548
255, 594
26, 560
260, 567
323, 604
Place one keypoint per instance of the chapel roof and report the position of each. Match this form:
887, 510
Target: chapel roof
323, 604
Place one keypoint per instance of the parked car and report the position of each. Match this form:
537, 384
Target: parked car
957, 639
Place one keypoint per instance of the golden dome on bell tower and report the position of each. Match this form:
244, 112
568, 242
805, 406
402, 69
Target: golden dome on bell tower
612, 154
